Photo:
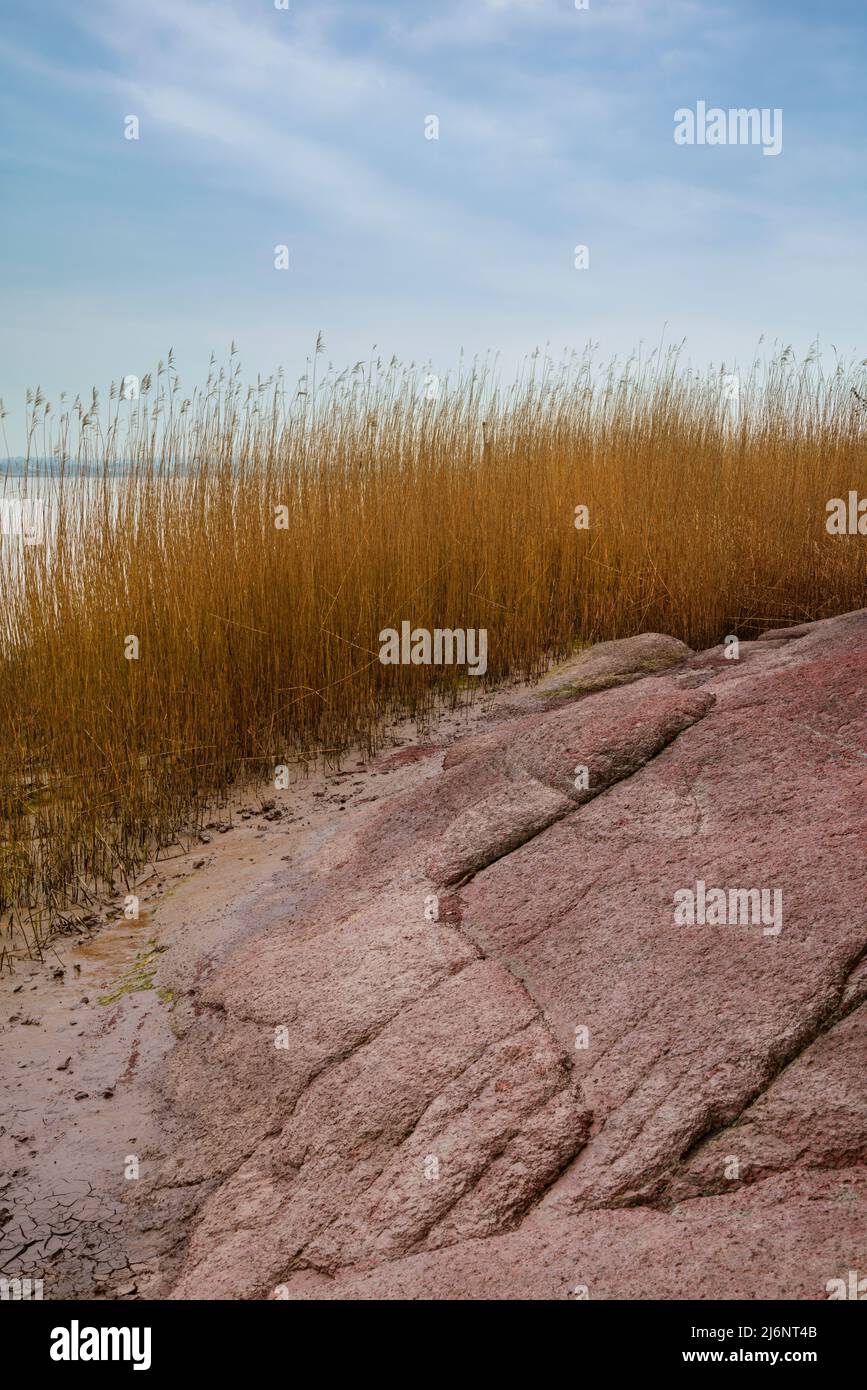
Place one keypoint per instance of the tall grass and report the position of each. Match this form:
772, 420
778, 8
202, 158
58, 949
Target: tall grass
448, 504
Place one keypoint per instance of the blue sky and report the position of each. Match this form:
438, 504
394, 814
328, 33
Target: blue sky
305, 126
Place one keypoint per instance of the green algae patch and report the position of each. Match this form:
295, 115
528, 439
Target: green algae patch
648, 664
140, 976
571, 689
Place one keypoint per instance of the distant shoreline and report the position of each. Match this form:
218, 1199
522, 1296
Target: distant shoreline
49, 468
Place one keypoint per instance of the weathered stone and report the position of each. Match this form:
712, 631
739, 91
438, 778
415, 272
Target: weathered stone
601, 667
540, 1085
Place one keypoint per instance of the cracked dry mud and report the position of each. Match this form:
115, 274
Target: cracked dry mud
434, 1126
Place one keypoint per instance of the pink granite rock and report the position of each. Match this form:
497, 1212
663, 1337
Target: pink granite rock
510, 1069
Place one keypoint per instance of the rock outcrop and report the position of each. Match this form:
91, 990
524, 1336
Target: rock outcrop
483, 1051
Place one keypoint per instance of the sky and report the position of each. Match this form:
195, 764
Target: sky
305, 127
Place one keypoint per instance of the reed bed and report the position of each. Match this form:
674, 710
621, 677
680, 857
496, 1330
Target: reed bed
255, 540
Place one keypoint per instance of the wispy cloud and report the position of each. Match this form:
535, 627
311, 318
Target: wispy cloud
306, 126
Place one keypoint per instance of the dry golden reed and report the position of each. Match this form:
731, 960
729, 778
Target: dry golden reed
448, 504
